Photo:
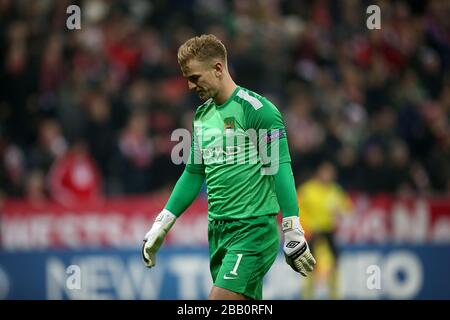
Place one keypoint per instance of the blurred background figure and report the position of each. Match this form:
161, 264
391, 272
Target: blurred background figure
321, 202
35, 191
136, 154
74, 178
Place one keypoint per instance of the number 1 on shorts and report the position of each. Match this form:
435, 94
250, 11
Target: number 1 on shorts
234, 271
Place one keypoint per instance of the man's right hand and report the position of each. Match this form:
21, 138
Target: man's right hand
155, 236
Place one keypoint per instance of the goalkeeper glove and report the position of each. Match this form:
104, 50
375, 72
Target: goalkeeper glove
296, 250
155, 237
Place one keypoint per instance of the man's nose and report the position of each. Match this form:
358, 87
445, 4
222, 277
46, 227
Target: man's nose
191, 85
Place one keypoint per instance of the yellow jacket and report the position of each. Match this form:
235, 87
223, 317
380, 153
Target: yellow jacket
320, 204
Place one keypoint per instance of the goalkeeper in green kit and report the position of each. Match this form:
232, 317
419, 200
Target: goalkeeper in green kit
239, 145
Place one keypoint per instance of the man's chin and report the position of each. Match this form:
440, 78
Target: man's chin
203, 97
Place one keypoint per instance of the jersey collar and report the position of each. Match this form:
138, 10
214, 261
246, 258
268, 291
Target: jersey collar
229, 99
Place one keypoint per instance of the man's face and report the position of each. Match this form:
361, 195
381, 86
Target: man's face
202, 78
327, 173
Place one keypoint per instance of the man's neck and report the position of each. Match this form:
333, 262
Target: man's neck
225, 93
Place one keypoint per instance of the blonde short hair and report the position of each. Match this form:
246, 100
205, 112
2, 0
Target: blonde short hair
202, 48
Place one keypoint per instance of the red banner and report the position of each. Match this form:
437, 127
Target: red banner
122, 222
384, 219
118, 222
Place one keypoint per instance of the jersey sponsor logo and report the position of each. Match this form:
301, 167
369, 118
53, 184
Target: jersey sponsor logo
233, 145
218, 154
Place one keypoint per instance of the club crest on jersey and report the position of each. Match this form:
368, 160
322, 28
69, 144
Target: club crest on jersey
228, 123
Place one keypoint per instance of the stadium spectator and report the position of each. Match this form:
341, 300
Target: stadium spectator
74, 177
136, 154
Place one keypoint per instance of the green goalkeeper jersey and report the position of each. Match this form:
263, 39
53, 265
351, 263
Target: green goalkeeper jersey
235, 145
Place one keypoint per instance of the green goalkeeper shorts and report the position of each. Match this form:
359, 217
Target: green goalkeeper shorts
241, 252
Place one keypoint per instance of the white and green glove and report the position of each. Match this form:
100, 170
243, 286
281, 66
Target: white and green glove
155, 237
296, 250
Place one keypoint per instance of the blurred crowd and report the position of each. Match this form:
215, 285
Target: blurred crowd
89, 113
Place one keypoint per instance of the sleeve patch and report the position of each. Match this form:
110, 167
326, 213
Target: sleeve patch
275, 134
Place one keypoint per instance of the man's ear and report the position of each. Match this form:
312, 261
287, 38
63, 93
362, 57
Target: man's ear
218, 68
